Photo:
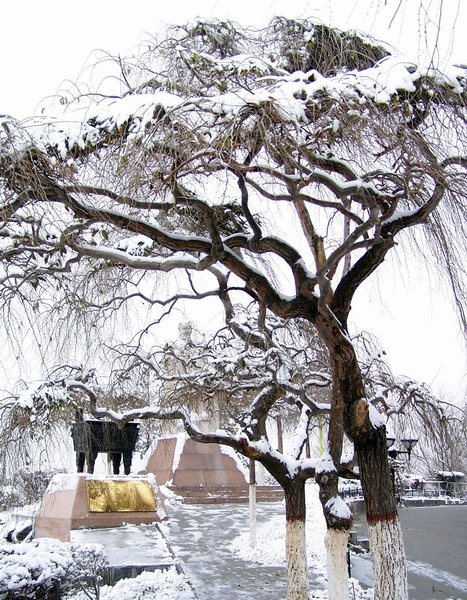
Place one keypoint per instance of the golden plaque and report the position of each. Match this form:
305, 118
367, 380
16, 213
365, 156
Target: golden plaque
120, 496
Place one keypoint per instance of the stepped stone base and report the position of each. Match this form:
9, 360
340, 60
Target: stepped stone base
203, 473
237, 494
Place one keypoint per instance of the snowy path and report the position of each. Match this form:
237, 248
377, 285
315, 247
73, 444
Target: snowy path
204, 543
213, 543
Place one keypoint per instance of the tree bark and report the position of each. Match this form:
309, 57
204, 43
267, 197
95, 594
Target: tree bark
388, 555
338, 520
295, 541
384, 529
337, 535
336, 541
338, 523
351, 410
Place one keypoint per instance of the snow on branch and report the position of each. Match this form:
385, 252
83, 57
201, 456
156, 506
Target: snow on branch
136, 115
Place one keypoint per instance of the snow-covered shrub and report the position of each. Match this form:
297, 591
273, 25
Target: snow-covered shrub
157, 585
89, 564
46, 569
9, 497
450, 476
31, 485
25, 488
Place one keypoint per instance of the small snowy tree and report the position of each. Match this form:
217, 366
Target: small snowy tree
235, 382
246, 375
283, 164
414, 411
439, 427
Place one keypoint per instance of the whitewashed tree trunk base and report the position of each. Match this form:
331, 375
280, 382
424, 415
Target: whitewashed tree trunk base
336, 541
295, 551
388, 555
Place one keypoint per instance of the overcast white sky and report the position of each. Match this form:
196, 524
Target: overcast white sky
42, 44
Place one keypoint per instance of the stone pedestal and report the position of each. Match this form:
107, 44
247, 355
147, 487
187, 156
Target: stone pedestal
80, 501
185, 463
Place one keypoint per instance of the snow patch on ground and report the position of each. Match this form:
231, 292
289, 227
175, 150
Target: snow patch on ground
443, 577
270, 546
128, 545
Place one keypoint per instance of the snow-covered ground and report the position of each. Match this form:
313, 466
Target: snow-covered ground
128, 545
212, 544
213, 541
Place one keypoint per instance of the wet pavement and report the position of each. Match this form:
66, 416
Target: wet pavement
128, 545
201, 538
436, 547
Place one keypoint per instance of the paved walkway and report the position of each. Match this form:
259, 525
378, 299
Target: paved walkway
200, 536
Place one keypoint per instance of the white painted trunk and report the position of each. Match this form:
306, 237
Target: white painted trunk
336, 558
297, 571
252, 506
388, 555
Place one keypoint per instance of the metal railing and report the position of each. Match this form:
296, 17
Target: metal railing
435, 489
423, 489
351, 490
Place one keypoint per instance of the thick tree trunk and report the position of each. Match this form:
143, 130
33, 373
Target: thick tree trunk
339, 521
295, 541
384, 529
337, 514
388, 555
351, 409
385, 534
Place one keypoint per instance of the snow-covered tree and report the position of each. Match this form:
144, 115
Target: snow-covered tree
439, 427
216, 386
226, 388
281, 164
237, 383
